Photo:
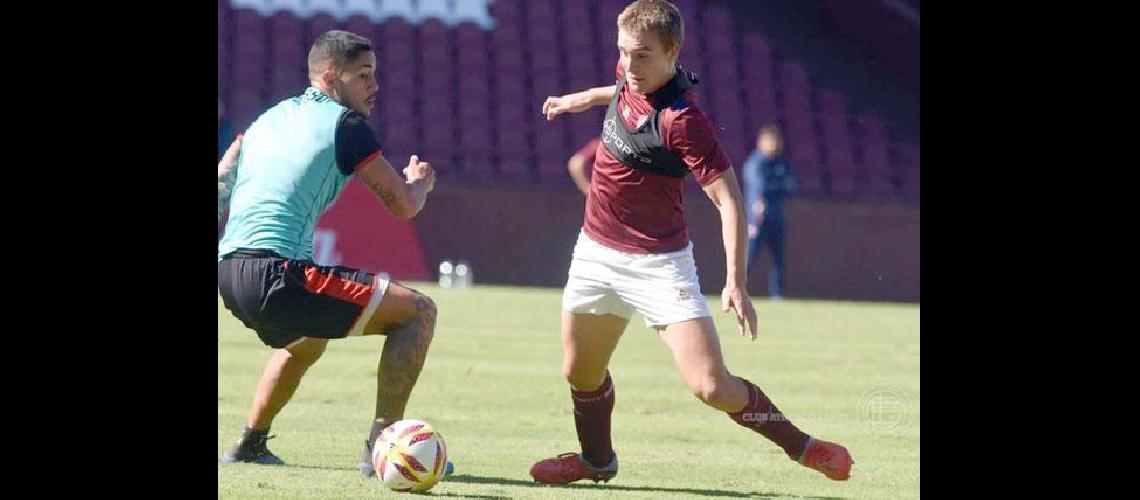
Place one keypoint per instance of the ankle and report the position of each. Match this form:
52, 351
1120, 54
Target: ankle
599, 464
249, 433
378, 426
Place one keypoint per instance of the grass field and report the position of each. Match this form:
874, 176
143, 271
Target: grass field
846, 372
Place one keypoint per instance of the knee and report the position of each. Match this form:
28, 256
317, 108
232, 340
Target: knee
711, 391
424, 316
580, 378
569, 372
309, 355
425, 308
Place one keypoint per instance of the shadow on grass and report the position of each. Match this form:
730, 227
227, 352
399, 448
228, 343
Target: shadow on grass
465, 478
429, 493
299, 466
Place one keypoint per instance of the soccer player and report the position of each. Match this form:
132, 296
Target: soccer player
634, 253
293, 162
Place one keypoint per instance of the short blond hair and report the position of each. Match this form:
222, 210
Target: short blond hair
654, 16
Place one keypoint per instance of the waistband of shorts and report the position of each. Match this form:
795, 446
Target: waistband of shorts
686, 250
252, 253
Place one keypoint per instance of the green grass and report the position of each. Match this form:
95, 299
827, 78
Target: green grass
493, 388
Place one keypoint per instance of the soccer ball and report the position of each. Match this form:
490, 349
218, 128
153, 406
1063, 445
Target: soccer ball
410, 455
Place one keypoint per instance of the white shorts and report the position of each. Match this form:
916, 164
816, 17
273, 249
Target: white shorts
662, 287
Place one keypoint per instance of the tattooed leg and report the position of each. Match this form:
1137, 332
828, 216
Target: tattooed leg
407, 318
402, 359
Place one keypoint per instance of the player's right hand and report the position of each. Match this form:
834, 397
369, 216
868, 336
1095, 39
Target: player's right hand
555, 106
417, 170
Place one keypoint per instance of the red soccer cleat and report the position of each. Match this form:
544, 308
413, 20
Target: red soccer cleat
569, 467
829, 458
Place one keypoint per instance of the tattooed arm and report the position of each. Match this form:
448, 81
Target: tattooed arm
404, 198
227, 175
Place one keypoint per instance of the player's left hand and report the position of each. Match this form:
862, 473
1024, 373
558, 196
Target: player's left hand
734, 297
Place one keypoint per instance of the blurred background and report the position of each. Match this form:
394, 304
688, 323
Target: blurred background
462, 83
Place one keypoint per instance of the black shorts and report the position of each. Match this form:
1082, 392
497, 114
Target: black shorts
284, 300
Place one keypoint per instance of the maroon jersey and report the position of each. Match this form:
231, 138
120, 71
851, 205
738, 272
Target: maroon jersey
637, 212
